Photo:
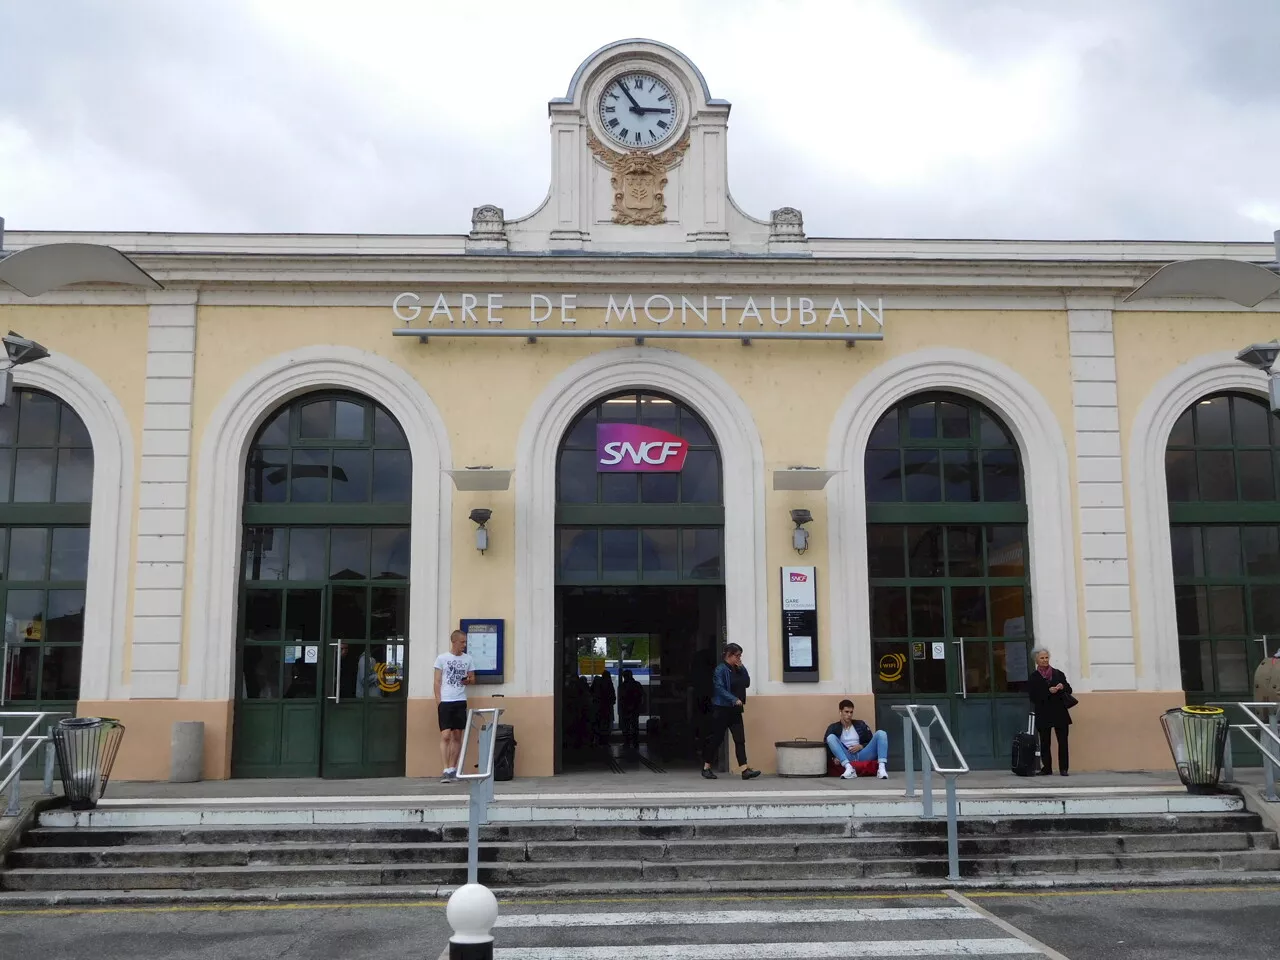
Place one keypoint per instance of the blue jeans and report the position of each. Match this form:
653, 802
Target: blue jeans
877, 749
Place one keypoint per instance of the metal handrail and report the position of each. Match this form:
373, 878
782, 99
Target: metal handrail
911, 729
481, 783
16, 758
1266, 730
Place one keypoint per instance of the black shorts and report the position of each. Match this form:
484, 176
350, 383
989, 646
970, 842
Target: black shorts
452, 714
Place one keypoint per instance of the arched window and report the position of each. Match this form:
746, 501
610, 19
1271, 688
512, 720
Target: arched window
46, 483
323, 632
641, 526
946, 548
1220, 468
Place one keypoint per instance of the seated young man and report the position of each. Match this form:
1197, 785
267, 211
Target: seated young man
849, 740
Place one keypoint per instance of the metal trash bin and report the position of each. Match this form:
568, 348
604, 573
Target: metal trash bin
1197, 737
86, 748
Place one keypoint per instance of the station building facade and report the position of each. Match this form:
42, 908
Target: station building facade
244, 488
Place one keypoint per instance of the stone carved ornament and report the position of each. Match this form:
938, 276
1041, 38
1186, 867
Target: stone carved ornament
488, 223
638, 179
786, 223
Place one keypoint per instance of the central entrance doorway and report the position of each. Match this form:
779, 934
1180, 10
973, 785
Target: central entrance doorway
640, 584
947, 563
666, 638
322, 650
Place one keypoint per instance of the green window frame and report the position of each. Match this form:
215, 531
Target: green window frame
328, 458
947, 547
46, 483
1224, 527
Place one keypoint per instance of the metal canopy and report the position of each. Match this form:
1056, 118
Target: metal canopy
38, 270
1244, 283
480, 478
802, 478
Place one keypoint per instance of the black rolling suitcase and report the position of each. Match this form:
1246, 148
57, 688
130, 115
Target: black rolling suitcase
1026, 751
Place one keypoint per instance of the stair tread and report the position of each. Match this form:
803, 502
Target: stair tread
560, 865
864, 840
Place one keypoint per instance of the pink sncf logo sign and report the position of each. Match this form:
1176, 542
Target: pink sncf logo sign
799, 578
631, 448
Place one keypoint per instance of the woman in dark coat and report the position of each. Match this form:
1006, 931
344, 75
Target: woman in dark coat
1049, 691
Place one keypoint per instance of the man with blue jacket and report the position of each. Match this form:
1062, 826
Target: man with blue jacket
729, 686
849, 740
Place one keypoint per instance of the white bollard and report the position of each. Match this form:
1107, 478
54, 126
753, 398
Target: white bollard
472, 911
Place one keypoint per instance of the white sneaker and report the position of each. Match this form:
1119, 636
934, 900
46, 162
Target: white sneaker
849, 773
882, 773
448, 775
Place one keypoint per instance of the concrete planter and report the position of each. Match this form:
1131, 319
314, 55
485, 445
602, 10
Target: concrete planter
802, 758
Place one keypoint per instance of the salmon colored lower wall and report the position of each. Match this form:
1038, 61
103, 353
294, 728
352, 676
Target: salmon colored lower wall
1112, 731
532, 717
144, 751
1120, 731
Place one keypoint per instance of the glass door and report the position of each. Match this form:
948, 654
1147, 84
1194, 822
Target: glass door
323, 653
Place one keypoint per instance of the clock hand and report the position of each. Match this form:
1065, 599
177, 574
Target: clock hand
652, 110
635, 107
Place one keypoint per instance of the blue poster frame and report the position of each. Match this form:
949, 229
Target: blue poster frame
497, 675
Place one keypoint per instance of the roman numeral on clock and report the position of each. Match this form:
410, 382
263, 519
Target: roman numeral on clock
662, 124
639, 84
660, 99
623, 133
637, 136
613, 122
610, 109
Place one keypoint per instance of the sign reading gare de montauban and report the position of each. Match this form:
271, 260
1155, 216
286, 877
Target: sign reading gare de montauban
655, 310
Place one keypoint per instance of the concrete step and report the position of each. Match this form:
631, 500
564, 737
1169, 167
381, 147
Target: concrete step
777, 849
62, 836
615, 809
613, 872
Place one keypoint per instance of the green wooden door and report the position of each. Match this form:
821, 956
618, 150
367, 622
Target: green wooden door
323, 648
946, 549
1220, 468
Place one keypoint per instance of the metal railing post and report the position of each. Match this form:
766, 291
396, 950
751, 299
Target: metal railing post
15, 786
953, 841
926, 776
50, 756
1270, 764
908, 754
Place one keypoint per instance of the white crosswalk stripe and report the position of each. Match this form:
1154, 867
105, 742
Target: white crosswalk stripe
732, 917
783, 951
766, 934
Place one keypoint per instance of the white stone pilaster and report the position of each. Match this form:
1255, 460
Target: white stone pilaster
1103, 528
160, 565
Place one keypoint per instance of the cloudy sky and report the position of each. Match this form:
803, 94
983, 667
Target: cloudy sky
1143, 119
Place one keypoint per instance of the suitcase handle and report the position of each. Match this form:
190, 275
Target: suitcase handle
1031, 724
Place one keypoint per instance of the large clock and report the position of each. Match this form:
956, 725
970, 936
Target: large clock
638, 110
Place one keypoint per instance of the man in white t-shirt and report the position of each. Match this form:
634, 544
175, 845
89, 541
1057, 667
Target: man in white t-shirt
454, 671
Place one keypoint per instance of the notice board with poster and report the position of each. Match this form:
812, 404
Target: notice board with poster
484, 644
799, 625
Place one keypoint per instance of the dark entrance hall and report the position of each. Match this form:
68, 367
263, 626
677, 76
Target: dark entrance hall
666, 637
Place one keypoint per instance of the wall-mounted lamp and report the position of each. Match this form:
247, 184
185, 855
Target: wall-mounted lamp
1263, 356
17, 351
800, 536
480, 516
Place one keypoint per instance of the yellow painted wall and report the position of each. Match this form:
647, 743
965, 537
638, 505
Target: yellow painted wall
112, 342
1150, 346
484, 390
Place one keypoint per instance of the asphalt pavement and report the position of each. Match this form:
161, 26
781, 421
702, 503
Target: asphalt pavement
1169, 924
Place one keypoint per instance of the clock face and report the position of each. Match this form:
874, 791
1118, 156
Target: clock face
638, 111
